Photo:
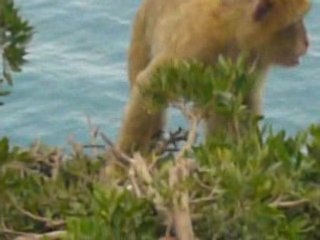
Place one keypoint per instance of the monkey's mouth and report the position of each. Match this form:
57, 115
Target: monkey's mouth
291, 62
295, 61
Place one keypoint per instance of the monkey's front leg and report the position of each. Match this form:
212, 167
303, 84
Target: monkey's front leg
139, 124
139, 127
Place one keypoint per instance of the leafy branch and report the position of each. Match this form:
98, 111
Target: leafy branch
15, 34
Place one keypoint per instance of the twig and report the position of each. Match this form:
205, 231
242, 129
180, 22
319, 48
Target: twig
180, 172
93, 146
201, 184
204, 199
134, 183
194, 120
94, 131
288, 204
5, 230
142, 172
56, 235
123, 158
168, 228
77, 148
174, 137
49, 222
138, 173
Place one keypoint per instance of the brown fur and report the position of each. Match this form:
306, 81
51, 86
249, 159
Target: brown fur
272, 31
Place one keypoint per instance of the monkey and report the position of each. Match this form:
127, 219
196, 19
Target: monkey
271, 31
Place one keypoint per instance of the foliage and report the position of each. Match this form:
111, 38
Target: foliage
206, 86
256, 184
15, 34
39, 187
261, 185
117, 215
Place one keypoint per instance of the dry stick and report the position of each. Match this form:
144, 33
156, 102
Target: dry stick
124, 160
21, 235
94, 131
49, 222
181, 215
5, 230
93, 146
288, 204
163, 146
181, 211
134, 182
174, 138
56, 235
141, 171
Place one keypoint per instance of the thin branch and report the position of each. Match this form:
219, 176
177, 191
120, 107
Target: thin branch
202, 200
49, 222
5, 230
76, 147
16, 233
143, 174
288, 204
134, 183
56, 235
194, 120
179, 173
174, 138
94, 131
168, 228
93, 146
123, 158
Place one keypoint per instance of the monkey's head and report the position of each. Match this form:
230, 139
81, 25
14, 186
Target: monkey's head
275, 30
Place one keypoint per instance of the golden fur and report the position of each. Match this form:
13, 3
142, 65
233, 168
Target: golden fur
272, 31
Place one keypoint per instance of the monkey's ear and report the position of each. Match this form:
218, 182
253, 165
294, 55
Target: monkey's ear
262, 9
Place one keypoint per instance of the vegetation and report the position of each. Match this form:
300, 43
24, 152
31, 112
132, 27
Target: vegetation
15, 33
253, 184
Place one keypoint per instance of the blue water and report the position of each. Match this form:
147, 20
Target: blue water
77, 68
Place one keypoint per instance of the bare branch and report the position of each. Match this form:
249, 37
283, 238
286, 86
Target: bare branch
194, 120
163, 145
288, 204
123, 158
202, 200
49, 222
93, 146
94, 131
180, 172
134, 183
56, 235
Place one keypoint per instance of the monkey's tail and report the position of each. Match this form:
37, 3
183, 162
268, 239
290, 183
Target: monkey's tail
139, 53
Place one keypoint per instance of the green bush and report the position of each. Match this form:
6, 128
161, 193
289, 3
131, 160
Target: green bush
260, 185
256, 184
15, 34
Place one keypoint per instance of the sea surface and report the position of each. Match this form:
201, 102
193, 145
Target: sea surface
77, 70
